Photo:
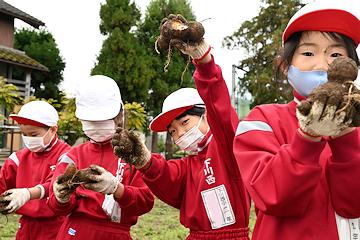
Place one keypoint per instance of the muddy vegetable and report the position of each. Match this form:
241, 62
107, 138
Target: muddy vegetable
70, 171
341, 75
177, 27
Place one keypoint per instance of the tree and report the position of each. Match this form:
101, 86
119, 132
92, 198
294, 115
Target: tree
135, 115
8, 98
122, 57
69, 126
41, 46
163, 83
261, 38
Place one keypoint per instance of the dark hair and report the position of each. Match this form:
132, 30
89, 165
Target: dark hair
292, 43
121, 117
197, 111
45, 127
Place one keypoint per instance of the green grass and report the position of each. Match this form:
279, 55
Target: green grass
161, 223
8, 226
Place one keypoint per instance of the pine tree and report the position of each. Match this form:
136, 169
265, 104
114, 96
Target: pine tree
122, 57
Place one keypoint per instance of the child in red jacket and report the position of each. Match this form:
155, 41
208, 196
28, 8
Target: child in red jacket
26, 174
107, 208
206, 186
302, 171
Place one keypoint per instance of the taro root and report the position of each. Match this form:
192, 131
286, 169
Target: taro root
341, 75
70, 171
176, 26
4, 203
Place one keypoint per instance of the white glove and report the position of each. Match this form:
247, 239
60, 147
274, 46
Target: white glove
323, 118
197, 50
17, 198
104, 182
62, 189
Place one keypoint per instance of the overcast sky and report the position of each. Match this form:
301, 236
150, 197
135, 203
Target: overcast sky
75, 27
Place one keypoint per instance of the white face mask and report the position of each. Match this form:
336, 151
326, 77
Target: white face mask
99, 131
305, 81
36, 144
189, 141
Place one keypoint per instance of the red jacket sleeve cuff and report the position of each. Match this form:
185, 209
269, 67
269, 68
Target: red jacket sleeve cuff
127, 196
305, 151
345, 148
206, 70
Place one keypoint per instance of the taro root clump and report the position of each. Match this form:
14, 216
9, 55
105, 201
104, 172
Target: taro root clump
341, 75
176, 26
75, 177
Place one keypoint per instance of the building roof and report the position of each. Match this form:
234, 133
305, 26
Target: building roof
17, 57
16, 13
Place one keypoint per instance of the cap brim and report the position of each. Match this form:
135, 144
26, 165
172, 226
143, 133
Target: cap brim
26, 121
340, 21
163, 120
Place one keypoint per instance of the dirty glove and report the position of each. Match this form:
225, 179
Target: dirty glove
16, 197
102, 182
128, 146
62, 189
324, 119
197, 50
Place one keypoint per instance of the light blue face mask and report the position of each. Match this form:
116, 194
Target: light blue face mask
305, 82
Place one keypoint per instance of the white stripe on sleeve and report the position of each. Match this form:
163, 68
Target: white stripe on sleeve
246, 126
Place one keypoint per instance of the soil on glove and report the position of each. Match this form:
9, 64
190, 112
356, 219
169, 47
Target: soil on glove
83, 176
75, 178
123, 146
3, 203
341, 75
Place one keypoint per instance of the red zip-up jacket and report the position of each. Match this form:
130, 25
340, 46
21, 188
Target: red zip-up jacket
136, 200
297, 185
25, 169
207, 188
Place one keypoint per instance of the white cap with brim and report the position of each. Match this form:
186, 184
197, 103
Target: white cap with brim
98, 98
325, 16
174, 105
37, 113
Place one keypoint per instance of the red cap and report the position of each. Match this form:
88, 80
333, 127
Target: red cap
174, 105
325, 17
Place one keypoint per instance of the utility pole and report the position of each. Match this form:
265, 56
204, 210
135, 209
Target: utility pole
233, 86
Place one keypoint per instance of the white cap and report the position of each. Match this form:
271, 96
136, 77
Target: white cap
37, 113
325, 16
174, 105
98, 98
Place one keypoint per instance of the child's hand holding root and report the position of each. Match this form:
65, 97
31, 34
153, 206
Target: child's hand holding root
333, 106
324, 119
63, 186
128, 146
